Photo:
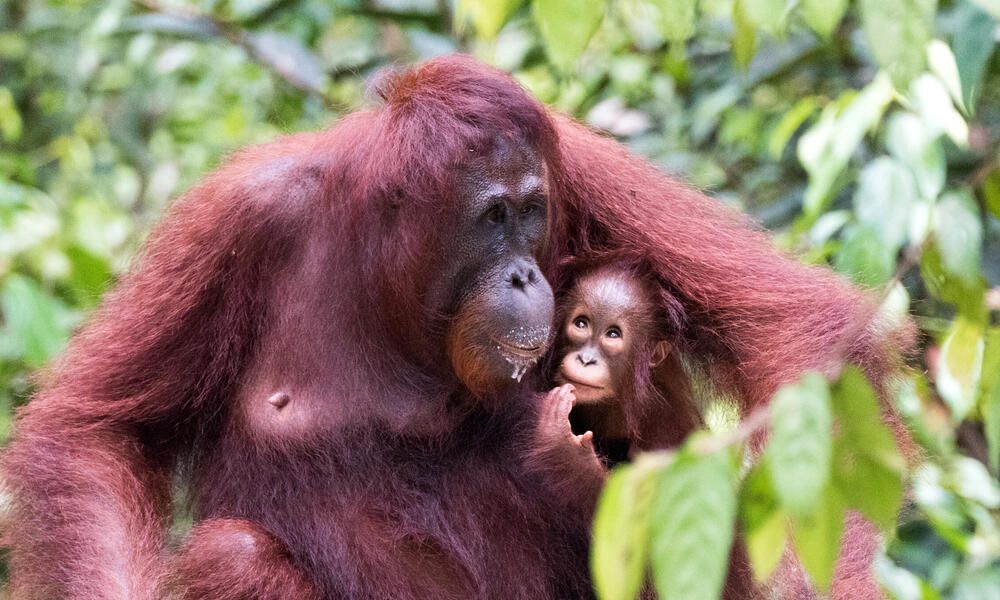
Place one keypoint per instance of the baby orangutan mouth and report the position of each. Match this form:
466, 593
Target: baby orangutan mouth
562, 378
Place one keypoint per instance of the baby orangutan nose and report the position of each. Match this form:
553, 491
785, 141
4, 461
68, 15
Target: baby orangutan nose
586, 357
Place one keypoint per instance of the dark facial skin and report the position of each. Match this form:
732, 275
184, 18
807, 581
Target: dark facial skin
504, 304
606, 320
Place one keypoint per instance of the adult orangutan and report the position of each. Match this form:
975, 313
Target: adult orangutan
315, 355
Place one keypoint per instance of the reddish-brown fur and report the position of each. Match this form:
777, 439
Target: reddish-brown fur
299, 267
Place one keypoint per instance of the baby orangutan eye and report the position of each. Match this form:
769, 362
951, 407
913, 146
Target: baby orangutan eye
614, 333
580, 322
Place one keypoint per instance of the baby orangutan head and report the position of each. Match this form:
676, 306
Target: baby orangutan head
609, 328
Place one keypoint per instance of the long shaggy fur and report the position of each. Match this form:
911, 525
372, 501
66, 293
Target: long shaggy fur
301, 266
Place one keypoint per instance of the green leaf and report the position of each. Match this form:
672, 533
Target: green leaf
757, 499
744, 36
859, 415
825, 149
943, 66
869, 486
944, 285
789, 124
898, 31
827, 225
958, 233
990, 6
960, 366
864, 257
567, 26
895, 309
692, 527
989, 395
974, 482
677, 18
799, 449
884, 200
487, 17
764, 523
89, 277
991, 193
621, 542
766, 545
909, 141
10, 119
817, 538
769, 15
823, 15
973, 44
867, 464
34, 322
937, 111
978, 584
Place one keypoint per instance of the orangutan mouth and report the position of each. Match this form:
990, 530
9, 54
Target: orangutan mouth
522, 352
521, 358
579, 383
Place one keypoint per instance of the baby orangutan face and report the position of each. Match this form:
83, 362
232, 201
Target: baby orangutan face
609, 324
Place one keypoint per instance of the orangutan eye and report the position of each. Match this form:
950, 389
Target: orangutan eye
496, 214
580, 322
614, 333
527, 209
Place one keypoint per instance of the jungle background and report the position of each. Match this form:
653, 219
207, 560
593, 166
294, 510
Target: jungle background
864, 133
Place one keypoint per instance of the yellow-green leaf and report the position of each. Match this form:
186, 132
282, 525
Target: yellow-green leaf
789, 124
867, 464
768, 15
960, 365
677, 18
621, 542
817, 538
898, 31
692, 527
744, 36
487, 17
989, 395
799, 450
823, 15
766, 544
567, 26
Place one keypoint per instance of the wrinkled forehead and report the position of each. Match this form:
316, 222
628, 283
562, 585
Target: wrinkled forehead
509, 162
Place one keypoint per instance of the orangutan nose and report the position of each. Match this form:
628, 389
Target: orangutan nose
586, 357
522, 274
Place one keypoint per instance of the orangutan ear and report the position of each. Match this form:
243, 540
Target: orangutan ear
660, 352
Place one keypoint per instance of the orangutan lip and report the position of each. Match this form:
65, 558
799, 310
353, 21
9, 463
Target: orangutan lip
525, 352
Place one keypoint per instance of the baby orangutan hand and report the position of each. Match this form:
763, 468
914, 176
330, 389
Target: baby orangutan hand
554, 427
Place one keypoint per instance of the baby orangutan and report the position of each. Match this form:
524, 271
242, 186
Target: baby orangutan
615, 349
618, 382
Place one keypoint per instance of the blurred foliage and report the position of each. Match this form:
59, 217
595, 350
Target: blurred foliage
864, 133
